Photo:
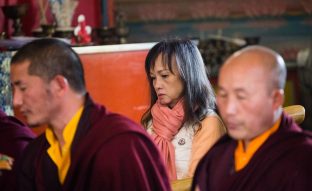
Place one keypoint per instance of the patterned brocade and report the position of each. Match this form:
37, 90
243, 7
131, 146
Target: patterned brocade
5, 87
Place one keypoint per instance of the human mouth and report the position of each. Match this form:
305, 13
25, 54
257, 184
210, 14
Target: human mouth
24, 113
231, 126
160, 95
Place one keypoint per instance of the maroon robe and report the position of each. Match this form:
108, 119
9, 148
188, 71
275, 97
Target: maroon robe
14, 136
109, 152
282, 163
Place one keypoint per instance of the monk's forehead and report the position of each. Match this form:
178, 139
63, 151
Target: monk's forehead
251, 59
246, 69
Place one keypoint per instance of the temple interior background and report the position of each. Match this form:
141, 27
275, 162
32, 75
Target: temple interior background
218, 26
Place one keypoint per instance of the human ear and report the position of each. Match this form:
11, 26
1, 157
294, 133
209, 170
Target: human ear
278, 98
59, 84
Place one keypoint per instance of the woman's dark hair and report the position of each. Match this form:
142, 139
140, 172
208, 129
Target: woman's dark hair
199, 98
50, 57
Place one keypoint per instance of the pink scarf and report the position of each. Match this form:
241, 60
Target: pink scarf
166, 124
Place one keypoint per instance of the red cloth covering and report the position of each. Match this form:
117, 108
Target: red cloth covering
109, 152
282, 163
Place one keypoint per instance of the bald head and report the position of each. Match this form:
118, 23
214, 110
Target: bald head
250, 91
262, 59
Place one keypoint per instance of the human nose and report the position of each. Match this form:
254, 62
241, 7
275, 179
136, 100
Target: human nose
17, 98
156, 83
230, 106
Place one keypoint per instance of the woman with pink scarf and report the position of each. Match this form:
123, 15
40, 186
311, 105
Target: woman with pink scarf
181, 118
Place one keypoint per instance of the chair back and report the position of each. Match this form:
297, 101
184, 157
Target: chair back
297, 112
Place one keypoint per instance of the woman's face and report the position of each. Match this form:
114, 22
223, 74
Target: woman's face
168, 86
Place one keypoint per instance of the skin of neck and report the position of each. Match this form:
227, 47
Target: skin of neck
277, 115
71, 103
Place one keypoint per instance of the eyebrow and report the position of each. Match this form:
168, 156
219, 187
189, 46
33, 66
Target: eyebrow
219, 87
164, 70
236, 90
239, 90
16, 83
159, 71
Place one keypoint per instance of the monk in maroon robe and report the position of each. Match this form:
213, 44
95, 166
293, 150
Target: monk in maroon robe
265, 150
109, 152
282, 163
85, 147
14, 137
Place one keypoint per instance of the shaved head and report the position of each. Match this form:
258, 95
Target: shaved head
250, 91
264, 59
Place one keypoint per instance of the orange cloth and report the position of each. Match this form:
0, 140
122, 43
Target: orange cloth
212, 129
242, 156
166, 124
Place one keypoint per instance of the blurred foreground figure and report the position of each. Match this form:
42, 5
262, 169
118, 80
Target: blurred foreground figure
14, 137
264, 148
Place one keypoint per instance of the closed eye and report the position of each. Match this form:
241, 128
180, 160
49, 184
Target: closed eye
22, 88
152, 77
164, 76
221, 93
241, 97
